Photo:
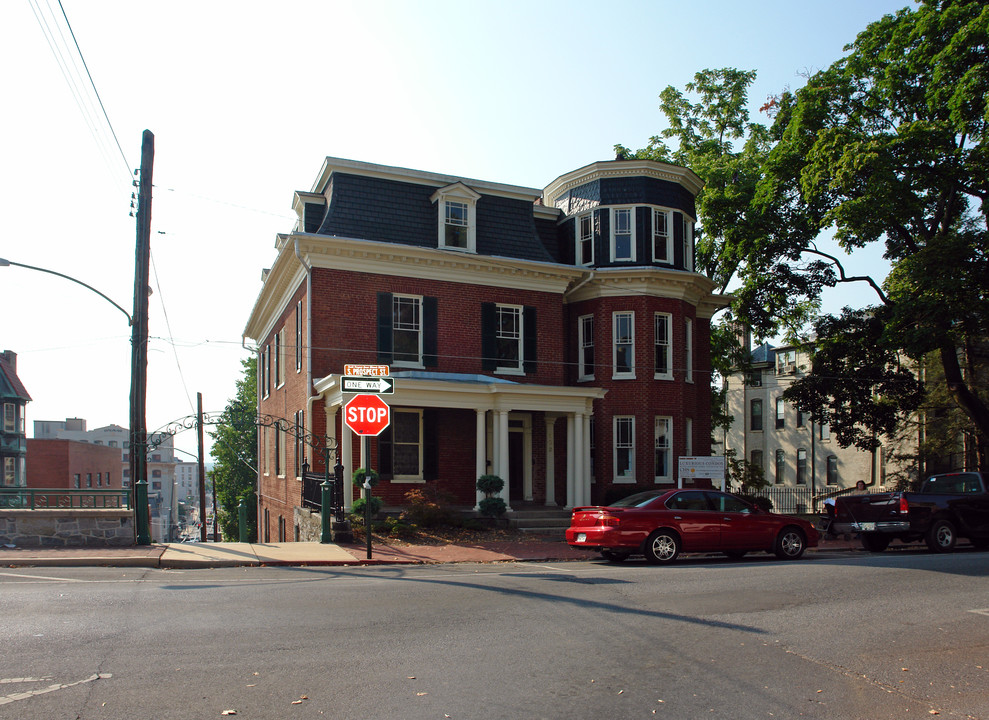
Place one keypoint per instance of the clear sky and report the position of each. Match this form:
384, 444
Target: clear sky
247, 98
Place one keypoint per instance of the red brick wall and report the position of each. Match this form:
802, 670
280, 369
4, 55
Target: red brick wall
54, 463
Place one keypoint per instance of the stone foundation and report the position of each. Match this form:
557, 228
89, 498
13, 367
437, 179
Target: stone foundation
73, 527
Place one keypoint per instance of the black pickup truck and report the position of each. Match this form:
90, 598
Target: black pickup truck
947, 507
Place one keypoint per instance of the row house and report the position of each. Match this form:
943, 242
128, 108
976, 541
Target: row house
791, 449
13, 441
557, 338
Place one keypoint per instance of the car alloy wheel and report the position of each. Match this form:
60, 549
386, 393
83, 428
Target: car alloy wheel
662, 547
790, 544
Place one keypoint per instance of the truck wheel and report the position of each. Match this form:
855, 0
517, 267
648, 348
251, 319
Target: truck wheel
874, 542
662, 547
790, 544
941, 536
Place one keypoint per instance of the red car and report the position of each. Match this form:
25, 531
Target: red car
661, 524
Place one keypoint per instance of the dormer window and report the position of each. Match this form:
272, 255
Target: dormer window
457, 205
622, 235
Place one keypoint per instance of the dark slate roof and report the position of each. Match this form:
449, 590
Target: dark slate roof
11, 386
764, 353
370, 208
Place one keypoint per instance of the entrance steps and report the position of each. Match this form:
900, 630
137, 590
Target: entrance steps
539, 520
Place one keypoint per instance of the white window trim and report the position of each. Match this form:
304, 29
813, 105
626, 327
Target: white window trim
298, 337
668, 214
519, 310
630, 478
410, 479
630, 375
668, 375
614, 225
582, 343
578, 255
460, 193
418, 362
668, 447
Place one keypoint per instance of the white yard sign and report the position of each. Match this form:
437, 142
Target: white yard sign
713, 468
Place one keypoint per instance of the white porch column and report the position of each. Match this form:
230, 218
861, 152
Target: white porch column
586, 453
346, 450
550, 461
570, 461
480, 453
578, 460
501, 442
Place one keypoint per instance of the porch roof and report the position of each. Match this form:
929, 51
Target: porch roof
416, 388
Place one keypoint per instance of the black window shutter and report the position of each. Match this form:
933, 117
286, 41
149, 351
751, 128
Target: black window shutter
429, 332
489, 348
384, 327
529, 339
431, 445
385, 466
602, 236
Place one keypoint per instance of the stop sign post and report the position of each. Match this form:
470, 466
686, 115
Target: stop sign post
367, 415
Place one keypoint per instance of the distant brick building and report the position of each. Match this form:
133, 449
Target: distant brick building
72, 464
558, 338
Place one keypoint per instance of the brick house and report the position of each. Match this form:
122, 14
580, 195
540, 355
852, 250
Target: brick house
558, 338
73, 465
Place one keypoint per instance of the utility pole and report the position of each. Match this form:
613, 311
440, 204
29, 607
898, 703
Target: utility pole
202, 468
139, 346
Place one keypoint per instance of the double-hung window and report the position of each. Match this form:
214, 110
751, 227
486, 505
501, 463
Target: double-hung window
623, 338
300, 442
801, 466
688, 243
622, 234
688, 346
407, 330
298, 336
457, 210
585, 239
663, 446
508, 337
661, 236
780, 467
664, 345
9, 417
585, 341
780, 413
279, 359
406, 436
624, 449
755, 414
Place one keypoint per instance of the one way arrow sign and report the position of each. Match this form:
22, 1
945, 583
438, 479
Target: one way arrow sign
376, 385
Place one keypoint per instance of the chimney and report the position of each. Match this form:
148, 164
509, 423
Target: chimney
10, 357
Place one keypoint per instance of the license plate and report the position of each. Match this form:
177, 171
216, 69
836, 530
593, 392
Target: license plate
581, 537
865, 527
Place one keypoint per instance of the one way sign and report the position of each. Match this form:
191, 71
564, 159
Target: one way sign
376, 385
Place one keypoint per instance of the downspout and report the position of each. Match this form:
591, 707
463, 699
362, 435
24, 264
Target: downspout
309, 380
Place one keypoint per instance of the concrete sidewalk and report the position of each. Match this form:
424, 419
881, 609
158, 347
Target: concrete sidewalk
210, 555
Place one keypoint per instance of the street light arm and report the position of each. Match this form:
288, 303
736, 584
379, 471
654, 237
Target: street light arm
4, 263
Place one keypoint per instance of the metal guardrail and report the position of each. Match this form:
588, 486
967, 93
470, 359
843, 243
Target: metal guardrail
60, 499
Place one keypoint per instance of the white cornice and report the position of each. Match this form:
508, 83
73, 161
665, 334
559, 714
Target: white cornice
621, 168
693, 288
420, 177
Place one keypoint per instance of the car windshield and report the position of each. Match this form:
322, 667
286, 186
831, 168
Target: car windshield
638, 500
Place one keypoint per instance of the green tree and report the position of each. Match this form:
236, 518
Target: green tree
885, 146
235, 456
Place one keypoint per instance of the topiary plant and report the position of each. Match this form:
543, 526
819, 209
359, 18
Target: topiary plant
490, 484
493, 507
361, 503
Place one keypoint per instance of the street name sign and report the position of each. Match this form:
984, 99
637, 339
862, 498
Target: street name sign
377, 385
366, 370
367, 415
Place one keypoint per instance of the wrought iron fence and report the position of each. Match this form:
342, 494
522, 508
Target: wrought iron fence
312, 494
803, 500
21, 498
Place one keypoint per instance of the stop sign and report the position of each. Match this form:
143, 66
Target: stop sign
367, 414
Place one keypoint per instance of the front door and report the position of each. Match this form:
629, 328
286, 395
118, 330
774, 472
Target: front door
516, 465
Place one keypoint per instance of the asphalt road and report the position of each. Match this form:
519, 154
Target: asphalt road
842, 635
